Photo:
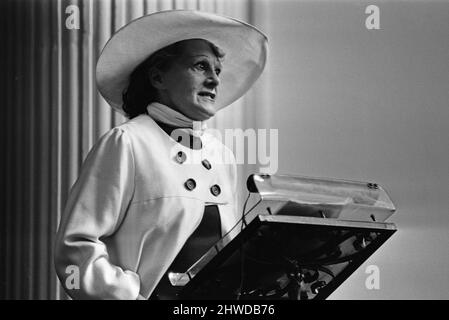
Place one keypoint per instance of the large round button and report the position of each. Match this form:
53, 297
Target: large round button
190, 184
181, 157
206, 164
215, 190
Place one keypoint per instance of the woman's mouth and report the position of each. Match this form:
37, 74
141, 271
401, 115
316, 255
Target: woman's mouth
208, 95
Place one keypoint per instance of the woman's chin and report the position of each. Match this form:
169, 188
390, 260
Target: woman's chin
204, 113
203, 117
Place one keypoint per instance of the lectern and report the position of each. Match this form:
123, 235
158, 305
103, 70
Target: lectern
299, 238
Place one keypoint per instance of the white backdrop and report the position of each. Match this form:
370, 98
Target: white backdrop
371, 105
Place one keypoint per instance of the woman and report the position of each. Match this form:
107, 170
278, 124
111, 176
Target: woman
154, 193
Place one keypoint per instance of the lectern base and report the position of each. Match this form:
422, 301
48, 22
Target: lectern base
284, 257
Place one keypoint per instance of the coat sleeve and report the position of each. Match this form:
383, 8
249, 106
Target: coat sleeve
95, 208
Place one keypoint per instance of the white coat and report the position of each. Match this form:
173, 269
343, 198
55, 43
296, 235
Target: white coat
130, 212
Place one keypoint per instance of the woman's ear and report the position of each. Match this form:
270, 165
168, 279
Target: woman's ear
156, 78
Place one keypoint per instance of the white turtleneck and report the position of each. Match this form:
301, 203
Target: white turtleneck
162, 113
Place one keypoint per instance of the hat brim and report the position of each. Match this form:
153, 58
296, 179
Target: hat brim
245, 50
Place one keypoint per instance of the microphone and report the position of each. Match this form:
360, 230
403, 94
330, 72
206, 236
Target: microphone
251, 184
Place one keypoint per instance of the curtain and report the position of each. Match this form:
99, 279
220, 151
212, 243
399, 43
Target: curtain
54, 115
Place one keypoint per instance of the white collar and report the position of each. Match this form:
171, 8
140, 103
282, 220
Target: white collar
162, 113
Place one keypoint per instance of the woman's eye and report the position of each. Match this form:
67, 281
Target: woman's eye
201, 66
204, 66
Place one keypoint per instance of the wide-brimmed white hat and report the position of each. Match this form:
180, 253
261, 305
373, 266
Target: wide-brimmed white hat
245, 50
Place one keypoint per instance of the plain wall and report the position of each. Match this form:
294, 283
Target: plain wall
370, 105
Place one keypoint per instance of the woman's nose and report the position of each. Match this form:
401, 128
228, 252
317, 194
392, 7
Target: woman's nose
212, 80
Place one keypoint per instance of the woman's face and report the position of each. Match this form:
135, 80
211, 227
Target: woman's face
190, 84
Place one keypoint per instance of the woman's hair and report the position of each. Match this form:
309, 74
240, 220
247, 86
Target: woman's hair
140, 92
